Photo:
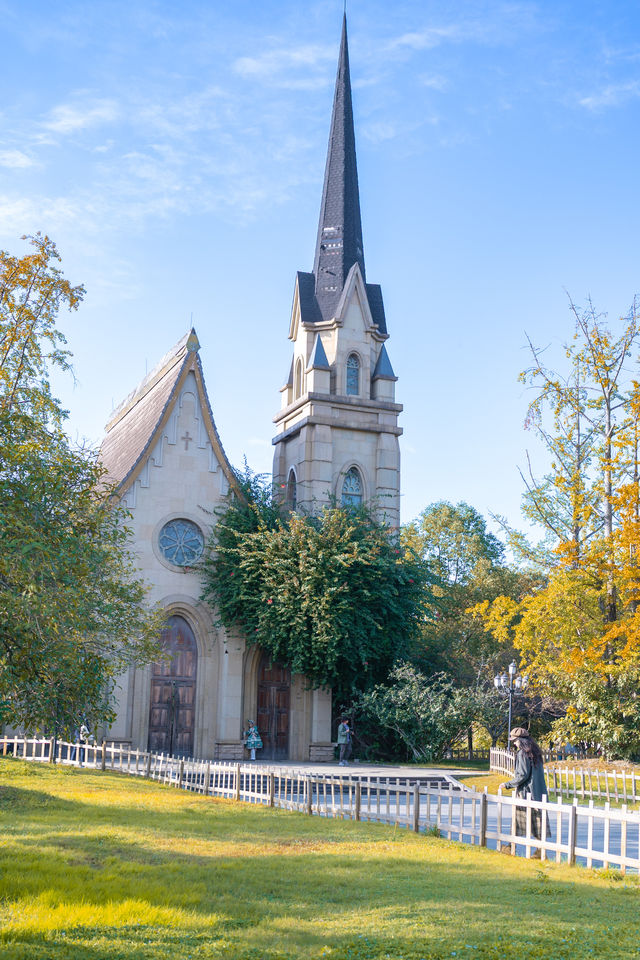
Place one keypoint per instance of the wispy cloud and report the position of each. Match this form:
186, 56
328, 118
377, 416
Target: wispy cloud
496, 24
15, 159
71, 117
35, 211
379, 131
433, 82
429, 37
611, 95
299, 68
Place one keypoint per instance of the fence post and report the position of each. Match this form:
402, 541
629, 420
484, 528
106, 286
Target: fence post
272, 789
623, 838
207, 781
180, 772
483, 818
416, 808
237, 783
358, 800
573, 822
309, 796
147, 771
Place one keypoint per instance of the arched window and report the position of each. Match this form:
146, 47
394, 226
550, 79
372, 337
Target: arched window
353, 375
292, 494
297, 388
352, 488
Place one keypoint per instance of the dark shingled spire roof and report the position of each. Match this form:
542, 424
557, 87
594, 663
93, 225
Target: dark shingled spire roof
339, 244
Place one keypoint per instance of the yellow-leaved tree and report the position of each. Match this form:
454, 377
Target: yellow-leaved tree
579, 636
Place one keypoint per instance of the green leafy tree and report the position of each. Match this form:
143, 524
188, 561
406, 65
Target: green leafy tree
468, 561
72, 607
428, 714
334, 597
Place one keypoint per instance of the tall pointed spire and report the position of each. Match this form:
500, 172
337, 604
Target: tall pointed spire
339, 244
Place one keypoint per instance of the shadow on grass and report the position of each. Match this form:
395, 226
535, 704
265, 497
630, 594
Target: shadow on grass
315, 883
21, 800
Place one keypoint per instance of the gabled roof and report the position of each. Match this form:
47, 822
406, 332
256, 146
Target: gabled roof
310, 310
134, 425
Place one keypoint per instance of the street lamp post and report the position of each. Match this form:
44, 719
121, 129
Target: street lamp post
506, 684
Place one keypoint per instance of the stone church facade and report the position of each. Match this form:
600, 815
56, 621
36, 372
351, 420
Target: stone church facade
336, 437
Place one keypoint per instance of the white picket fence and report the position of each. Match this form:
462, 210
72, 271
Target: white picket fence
589, 835
583, 782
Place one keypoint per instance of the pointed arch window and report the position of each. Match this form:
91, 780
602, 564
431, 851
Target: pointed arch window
292, 491
297, 383
353, 375
352, 488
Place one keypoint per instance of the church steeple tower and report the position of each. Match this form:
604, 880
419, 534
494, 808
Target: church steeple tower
337, 429
339, 243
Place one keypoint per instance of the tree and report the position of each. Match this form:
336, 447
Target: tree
579, 636
72, 608
455, 541
427, 714
470, 566
334, 596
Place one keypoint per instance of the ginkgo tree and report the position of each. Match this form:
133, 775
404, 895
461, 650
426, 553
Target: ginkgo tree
579, 636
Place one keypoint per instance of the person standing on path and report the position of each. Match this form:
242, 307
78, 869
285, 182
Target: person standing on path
253, 740
344, 741
528, 778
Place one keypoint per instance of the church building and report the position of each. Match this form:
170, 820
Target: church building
336, 439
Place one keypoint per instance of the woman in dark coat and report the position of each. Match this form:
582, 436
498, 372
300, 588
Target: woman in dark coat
528, 778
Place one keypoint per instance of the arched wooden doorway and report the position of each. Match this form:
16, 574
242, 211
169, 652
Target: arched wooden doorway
274, 696
173, 692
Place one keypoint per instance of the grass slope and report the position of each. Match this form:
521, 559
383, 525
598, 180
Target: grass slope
97, 867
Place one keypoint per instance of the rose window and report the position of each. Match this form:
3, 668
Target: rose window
181, 542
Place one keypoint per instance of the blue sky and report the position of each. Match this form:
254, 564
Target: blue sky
176, 155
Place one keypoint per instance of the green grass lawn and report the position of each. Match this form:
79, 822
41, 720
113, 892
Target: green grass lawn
98, 866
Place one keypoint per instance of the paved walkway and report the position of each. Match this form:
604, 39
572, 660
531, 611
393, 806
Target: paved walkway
354, 769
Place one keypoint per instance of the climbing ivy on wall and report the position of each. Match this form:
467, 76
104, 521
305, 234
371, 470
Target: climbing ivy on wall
333, 596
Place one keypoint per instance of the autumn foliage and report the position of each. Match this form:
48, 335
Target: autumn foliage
579, 636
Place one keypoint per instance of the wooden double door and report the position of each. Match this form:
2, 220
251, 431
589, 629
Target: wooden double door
274, 702
173, 692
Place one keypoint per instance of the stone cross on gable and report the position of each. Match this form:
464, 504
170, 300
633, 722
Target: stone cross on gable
187, 439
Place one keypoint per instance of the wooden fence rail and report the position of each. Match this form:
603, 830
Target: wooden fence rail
589, 835
585, 783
